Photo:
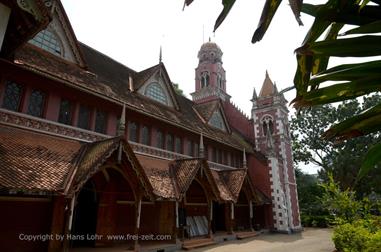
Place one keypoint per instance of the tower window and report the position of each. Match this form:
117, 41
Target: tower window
267, 125
156, 92
12, 96
100, 121
132, 132
65, 113
48, 41
36, 103
204, 79
220, 82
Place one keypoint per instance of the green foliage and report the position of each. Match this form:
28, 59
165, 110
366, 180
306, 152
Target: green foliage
350, 238
342, 159
374, 243
358, 222
336, 19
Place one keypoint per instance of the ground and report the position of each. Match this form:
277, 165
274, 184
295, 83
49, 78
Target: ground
310, 240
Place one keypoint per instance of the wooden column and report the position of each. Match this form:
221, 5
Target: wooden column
210, 218
251, 214
138, 211
69, 224
58, 224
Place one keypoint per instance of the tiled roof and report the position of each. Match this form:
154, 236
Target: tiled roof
143, 76
157, 171
234, 180
183, 172
111, 81
34, 162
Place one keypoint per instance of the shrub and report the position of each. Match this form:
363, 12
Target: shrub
351, 237
374, 243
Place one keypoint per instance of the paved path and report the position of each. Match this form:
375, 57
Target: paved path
310, 240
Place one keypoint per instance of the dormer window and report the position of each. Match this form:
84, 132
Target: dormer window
156, 92
204, 79
217, 121
48, 41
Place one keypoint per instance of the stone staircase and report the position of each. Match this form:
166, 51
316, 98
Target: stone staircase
244, 235
197, 243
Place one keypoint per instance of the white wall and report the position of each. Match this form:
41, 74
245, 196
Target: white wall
4, 17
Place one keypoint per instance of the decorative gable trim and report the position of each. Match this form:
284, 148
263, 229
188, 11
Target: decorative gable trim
160, 76
61, 28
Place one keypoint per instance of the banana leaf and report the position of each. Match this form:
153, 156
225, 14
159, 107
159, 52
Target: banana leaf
363, 46
228, 4
368, 121
374, 27
372, 158
340, 92
268, 13
348, 72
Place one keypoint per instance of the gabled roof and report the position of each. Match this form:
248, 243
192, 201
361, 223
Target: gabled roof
97, 82
69, 33
229, 183
160, 72
207, 109
157, 171
55, 165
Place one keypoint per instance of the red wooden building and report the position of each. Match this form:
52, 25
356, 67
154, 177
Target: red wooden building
93, 153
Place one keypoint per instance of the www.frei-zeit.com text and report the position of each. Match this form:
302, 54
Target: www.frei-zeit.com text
93, 237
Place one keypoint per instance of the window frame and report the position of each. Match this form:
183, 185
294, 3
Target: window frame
20, 95
105, 119
43, 103
155, 91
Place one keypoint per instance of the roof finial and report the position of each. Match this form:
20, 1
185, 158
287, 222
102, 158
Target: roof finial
122, 122
201, 153
244, 159
209, 39
160, 54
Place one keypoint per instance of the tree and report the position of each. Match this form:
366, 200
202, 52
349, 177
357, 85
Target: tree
178, 90
349, 80
342, 159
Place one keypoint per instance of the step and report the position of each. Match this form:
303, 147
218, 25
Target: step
197, 243
244, 235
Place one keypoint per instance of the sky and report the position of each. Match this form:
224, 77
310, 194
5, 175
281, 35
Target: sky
132, 33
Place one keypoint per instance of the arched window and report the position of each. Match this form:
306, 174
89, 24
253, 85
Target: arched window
267, 125
156, 92
48, 41
219, 81
12, 96
204, 79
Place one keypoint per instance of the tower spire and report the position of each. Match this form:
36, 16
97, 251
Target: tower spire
160, 54
244, 159
201, 152
255, 96
122, 122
